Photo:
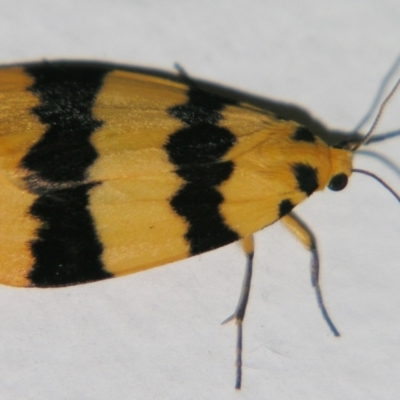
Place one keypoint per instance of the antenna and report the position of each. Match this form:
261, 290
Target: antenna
378, 116
376, 177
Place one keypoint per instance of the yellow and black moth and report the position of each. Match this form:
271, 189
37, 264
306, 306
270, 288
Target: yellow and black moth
108, 171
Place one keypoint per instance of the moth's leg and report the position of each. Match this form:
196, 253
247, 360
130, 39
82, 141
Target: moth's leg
238, 315
307, 238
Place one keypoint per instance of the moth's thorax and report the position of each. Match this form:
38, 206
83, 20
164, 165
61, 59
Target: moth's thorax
276, 168
341, 161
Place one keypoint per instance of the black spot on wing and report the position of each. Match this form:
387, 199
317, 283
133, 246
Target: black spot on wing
198, 202
307, 177
67, 250
303, 134
199, 144
196, 151
285, 207
202, 108
67, 95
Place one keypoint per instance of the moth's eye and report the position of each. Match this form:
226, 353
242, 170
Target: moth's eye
338, 182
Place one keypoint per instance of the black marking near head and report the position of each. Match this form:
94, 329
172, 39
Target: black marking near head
303, 134
67, 250
307, 178
285, 207
196, 151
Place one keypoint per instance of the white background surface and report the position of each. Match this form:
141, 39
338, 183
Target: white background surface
157, 335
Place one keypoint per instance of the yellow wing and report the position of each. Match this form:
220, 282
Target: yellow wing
108, 172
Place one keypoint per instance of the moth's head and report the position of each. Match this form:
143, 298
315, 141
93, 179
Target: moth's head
342, 153
341, 168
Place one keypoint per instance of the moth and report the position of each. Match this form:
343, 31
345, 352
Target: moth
107, 171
